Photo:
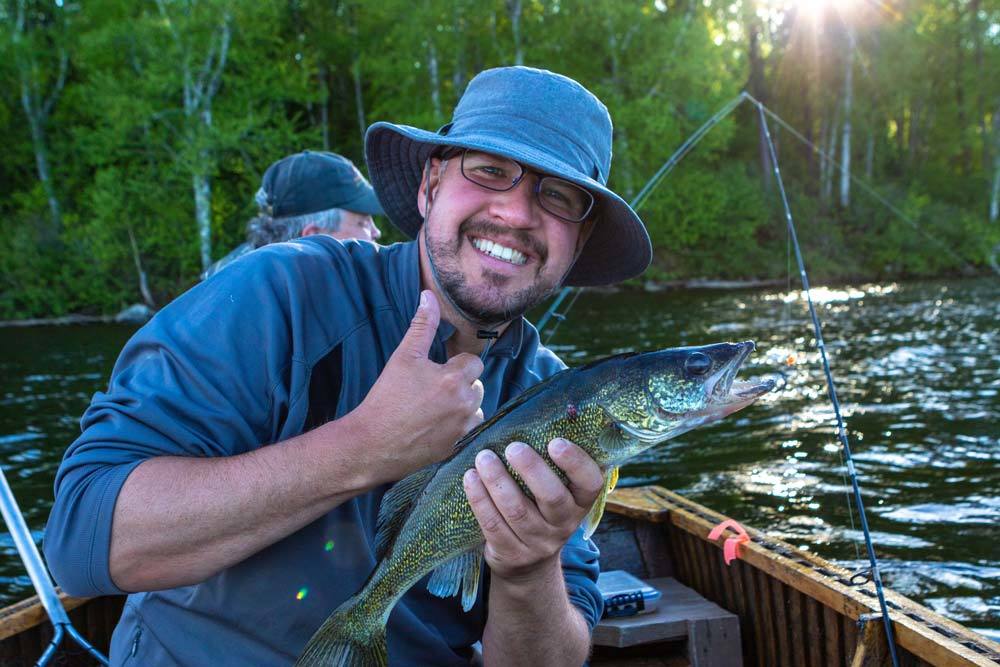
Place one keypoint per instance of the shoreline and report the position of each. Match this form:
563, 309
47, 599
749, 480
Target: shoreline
139, 314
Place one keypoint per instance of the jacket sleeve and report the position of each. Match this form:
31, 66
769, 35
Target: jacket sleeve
580, 570
205, 377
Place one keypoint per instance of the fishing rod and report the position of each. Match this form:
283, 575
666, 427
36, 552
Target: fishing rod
40, 578
841, 429
641, 198
686, 148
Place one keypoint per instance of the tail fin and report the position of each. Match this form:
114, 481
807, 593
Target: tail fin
347, 639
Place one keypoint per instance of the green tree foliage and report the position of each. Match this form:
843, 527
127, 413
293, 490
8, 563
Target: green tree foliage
126, 147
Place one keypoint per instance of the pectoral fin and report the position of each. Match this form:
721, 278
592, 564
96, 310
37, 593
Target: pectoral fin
597, 511
461, 572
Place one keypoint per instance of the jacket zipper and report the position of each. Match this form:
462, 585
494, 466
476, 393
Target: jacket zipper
135, 642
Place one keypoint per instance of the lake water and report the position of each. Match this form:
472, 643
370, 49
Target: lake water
917, 370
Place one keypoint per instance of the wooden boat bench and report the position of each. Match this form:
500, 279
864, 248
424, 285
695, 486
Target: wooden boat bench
712, 634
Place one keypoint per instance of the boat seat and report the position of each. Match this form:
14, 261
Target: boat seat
711, 633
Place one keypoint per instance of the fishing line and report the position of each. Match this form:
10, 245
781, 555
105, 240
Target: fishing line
686, 147
560, 318
841, 429
857, 181
644, 193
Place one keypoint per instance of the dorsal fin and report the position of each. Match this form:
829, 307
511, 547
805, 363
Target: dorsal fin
507, 407
396, 505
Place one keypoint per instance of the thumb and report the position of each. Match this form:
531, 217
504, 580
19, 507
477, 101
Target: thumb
417, 341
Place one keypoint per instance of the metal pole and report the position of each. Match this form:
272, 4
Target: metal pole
39, 575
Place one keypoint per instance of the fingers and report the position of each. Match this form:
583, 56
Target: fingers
468, 365
584, 475
517, 510
475, 420
554, 500
495, 528
419, 337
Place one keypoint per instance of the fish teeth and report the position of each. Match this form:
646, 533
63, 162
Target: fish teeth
504, 253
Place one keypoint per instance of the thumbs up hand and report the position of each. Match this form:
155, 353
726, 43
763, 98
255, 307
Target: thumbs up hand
418, 409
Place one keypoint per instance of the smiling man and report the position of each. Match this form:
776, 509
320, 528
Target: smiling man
230, 477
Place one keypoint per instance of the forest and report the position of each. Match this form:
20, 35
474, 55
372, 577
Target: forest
136, 132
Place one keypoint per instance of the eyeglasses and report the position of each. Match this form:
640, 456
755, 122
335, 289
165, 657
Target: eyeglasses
567, 201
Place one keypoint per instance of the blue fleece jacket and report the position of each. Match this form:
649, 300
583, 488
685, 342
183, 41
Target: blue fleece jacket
280, 342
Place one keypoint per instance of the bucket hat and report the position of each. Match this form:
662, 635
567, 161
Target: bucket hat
545, 121
313, 181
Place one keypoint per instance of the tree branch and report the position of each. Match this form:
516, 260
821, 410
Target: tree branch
59, 84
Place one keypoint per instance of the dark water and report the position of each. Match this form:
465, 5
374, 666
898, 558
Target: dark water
917, 368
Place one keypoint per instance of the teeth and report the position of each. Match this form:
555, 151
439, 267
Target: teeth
500, 252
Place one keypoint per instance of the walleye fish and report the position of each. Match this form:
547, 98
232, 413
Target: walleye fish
614, 409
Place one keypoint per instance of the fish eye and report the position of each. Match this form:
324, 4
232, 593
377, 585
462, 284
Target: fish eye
697, 363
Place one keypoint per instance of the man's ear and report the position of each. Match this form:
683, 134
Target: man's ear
311, 229
429, 182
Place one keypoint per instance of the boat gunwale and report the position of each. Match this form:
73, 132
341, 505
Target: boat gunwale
919, 630
925, 633
30, 612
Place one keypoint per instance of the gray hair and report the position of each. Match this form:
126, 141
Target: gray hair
264, 229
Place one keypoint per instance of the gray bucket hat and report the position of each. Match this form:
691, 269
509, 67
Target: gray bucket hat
547, 122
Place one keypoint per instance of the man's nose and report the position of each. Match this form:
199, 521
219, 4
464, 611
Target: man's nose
517, 206
376, 234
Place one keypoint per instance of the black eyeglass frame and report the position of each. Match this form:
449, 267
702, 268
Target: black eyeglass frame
451, 152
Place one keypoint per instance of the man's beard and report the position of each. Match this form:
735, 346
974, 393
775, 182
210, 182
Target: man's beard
490, 304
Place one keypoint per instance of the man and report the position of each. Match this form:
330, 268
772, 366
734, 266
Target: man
309, 193
235, 465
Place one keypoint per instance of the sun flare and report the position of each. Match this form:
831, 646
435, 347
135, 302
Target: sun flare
818, 10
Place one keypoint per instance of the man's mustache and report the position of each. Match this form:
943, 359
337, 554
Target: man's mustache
487, 228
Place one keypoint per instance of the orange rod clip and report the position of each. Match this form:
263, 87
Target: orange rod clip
730, 549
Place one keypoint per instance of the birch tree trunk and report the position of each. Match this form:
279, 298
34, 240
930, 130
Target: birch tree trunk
37, 108
202, 186
965, 162
432, 70
824, 131
870, 152
200, 89
995, 194
757, 87
977, 40
514, 12
845, 143
147, 296
359, 100
831, 152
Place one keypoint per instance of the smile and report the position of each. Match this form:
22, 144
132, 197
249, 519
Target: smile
500, 252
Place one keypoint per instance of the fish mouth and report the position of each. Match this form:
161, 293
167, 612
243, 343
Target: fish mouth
725, 393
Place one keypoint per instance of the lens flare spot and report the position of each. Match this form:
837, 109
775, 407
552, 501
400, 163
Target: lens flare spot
303, 592
328, 546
